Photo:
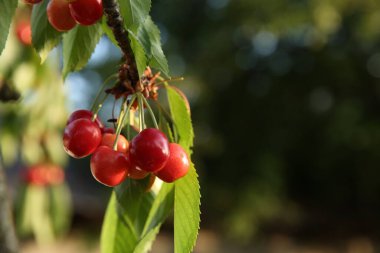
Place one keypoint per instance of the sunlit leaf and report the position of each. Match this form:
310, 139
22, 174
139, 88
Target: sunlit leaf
44, 36
134, 12
187, 190
7, 8
181, 116
78, 46
116, 237
186, 212
150, 38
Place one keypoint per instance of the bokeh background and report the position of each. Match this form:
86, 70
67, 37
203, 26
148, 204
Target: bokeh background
285, 98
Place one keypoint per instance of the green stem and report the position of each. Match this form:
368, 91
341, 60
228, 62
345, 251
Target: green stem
100, 105
145, 101
121, 121
141, 110
101, 90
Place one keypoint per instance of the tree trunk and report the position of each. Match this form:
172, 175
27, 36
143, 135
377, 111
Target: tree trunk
8, 239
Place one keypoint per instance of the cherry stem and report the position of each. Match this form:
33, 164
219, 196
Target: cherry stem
101, 90
122, 117
145, 101
100, 105
119, 123
169, 80
141, 107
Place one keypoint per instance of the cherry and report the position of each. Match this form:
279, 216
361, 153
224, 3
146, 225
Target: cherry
32, 1
108, 130
84, 114
81, 138
177, 165
54, 174
35, 175
24, 33
109, 139
149, 150
59, 16
86, 12
108, 166
136, 173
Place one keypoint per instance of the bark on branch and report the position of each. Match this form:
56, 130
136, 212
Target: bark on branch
115, 22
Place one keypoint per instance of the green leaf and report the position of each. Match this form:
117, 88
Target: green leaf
162, 206
134, 203
139, 52
149, 36
107, 30
116, 237
181, 118
186, 212
7, 8
187, 191
145, 244
78, 46
134, 12
44, 36
134, 216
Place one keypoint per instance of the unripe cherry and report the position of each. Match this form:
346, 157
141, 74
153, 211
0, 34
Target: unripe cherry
108, 166
109, 139
81, 137
177, 166
86, 12
59, 16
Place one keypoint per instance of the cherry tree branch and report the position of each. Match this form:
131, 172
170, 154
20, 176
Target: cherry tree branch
115, 22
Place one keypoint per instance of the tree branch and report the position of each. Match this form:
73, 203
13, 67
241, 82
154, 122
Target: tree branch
115, 22
8, 239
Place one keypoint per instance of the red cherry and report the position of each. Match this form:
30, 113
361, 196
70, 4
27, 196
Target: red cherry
108, 166
54, 174
177, 165
136, 173
35, 175
81, 138
84, 114
149, 150
59, 16
109, 139
86, 12
24, 33
108, 130
32, 1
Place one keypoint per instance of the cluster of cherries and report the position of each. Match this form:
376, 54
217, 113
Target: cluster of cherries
63, 15
148, 152
44, 174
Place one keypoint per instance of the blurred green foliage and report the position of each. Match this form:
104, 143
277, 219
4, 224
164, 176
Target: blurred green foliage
285, 98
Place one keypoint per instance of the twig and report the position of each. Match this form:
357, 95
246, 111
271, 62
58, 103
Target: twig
115, 22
